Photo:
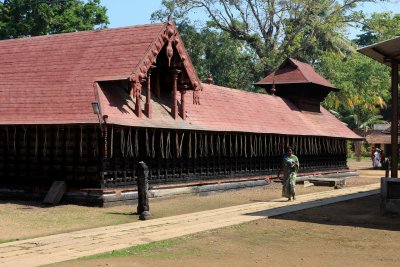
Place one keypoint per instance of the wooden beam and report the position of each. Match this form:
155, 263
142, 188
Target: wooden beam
136, 88
174, 105
395, 110
147, 106
183, 107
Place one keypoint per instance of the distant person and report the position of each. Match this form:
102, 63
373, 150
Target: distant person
372, 154
290, 167
383, 158
376, 163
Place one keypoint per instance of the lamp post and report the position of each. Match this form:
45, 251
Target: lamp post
97, 110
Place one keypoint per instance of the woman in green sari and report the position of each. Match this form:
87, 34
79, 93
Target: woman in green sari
290, 166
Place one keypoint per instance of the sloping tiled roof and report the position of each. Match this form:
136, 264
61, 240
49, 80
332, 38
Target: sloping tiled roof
294, 71
379, 137
382, 127
49, 79
226, 109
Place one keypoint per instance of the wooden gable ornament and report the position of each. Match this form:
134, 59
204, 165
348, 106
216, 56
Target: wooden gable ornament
167, 56
298, 82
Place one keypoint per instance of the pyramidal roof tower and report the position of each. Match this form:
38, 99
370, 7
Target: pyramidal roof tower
298, 82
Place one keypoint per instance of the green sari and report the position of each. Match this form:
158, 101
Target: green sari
290, 169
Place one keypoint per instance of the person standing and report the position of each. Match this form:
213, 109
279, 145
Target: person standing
383, 158
373, 149
290, 167
377, 159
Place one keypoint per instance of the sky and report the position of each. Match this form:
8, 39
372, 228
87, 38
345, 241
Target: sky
135, 12
130, 12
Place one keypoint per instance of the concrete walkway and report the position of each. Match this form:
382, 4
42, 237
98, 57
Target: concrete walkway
62, 247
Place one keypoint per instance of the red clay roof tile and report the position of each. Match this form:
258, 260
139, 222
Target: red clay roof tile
49, 80
226, 109
294, 71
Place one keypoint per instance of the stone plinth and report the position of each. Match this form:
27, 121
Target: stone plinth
390, 195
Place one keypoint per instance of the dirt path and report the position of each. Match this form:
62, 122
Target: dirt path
24, 220
62, 247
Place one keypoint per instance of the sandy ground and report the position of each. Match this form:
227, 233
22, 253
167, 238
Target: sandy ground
351, 233
21, 220
346, 234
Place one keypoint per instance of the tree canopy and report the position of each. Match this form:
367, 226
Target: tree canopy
379, 27
267, 31
212, 51
22, 18
302, 29
364, 88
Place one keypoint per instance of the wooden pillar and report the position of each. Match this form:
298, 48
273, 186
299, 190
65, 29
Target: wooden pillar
183, 108
157, 89
105, 137
395, 110
136, 90
147, 106
174, 105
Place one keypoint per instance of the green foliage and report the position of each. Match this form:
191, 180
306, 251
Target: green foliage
22, 18
139, 249
244, 40
274, 30
379, 27
364, 88
230, 61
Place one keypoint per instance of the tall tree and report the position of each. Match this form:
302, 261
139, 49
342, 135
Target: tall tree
379, 27
364, 88
230, 61
21, 18
304, 29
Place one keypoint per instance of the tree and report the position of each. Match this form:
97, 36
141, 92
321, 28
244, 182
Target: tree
230, 61
21, 18
302, 29
364, 88
379, 27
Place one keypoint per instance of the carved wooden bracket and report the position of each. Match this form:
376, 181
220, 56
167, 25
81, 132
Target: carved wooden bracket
183, 106
136, 92
169, 34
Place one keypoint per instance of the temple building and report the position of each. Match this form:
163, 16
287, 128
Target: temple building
86, 107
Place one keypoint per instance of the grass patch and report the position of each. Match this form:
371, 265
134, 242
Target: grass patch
136, 250
7, 240
240, 226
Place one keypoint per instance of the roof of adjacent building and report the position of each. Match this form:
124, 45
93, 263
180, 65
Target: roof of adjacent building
383, 52
292, 71
379, 137
382, 126
226, 109
50, 79
54, 79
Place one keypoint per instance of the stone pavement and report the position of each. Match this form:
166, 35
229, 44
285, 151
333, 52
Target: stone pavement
67, 246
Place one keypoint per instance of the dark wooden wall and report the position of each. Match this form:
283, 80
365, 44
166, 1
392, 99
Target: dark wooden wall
82, 156
182, 156
38, 155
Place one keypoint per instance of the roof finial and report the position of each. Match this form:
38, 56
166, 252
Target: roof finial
172, 11
210, 79
273, 90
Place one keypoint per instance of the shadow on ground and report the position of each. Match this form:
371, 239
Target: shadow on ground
363, 212
27, 204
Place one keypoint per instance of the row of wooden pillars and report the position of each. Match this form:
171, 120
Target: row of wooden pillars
136, 91
83, 156
184, 155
